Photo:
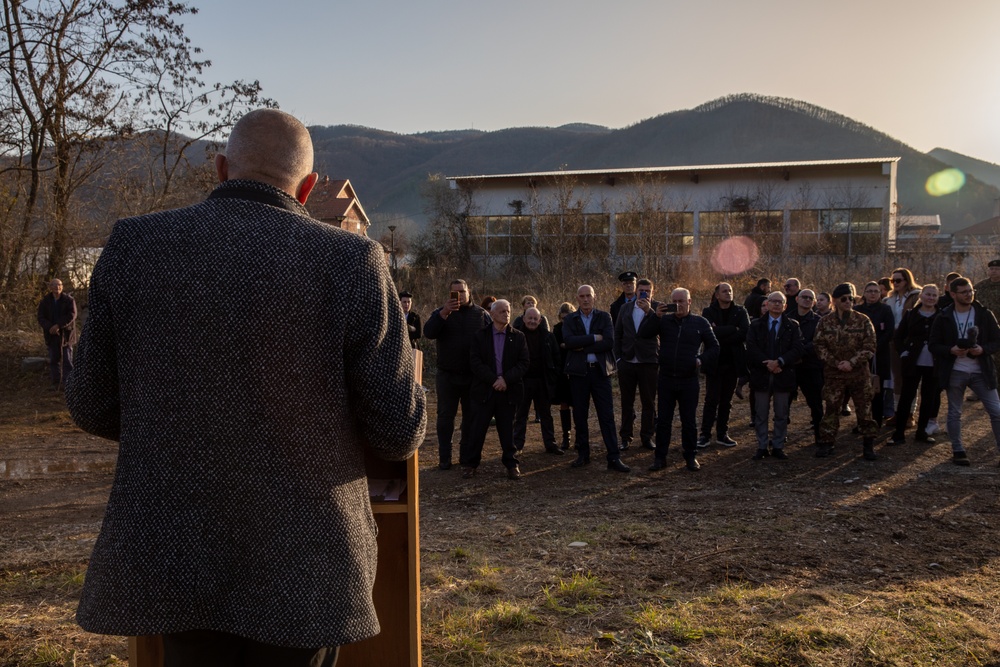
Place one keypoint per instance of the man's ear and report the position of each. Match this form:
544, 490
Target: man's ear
221, 167
306, 187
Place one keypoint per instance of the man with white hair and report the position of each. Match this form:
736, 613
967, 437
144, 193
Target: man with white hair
499, 360
239, 524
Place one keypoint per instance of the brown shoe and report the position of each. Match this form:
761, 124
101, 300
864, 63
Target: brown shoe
468, 472
513, 473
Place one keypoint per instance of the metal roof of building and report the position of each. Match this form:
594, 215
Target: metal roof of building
682, 168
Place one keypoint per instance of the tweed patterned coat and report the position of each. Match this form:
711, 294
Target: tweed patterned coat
245, 356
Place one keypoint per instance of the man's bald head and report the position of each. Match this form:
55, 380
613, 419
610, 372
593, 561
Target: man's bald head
272, 147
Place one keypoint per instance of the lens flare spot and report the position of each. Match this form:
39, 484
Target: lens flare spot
945, 182
735, 255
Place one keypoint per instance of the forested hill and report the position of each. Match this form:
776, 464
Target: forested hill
387, 169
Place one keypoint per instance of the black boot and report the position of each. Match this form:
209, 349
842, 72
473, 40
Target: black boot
868, 451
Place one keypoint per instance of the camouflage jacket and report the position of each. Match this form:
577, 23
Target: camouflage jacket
988, 294
849, 339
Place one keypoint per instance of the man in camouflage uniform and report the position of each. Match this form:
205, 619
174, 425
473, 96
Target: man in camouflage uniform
988, 294
845, 343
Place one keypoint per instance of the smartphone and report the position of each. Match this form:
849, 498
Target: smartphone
454, 295
643, 295
670, 307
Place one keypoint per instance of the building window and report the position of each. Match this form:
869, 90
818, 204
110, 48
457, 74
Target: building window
574, 233
836, 232
499, 235
641, 234
764, 227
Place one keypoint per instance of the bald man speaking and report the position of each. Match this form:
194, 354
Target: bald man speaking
245, 356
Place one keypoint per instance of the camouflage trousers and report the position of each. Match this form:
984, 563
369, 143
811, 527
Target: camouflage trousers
835, 386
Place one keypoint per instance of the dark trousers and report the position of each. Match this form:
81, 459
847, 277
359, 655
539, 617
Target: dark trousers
810, 383
596, 385
63, 354
497, 407
452, 391
643, 378
537, 392
930, 398
683, 394
210, 648
878, 403
719, 388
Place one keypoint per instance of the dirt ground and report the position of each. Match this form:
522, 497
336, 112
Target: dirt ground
807, 561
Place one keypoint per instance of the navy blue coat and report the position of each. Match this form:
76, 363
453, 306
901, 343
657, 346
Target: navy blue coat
789, 351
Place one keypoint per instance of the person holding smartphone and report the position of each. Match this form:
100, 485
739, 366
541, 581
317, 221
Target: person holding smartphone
452, 326
687, 343
637, 360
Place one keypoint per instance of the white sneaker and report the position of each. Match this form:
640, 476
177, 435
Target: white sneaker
932, 427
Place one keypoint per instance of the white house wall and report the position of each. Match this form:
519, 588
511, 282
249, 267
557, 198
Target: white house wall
865, 185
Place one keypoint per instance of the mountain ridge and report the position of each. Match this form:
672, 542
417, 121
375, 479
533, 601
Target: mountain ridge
388, 169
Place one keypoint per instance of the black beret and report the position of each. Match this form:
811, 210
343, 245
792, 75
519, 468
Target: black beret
405, 294
628, 276
844, 289
994, 262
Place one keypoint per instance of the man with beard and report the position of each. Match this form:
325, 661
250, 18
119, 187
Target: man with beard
452, 326
729, 323
638, 361
963, 340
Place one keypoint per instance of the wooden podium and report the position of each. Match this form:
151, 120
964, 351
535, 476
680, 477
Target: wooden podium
397, 579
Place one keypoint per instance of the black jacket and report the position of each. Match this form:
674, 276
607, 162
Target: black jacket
683, 342
755, 299
63, 314
884, 323
579, 343
413, 327
628, 345
807, 327
944, 335
789, 351
730, 326
454, 336
616, 306
551, 357
913, 333
482, 361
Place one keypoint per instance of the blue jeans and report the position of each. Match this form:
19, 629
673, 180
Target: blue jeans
956, 398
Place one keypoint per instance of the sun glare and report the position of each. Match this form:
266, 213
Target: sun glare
945, 182
735, 255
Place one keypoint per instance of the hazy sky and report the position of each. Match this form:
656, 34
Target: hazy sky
925, 72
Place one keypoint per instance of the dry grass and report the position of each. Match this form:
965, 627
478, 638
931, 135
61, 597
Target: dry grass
835, 562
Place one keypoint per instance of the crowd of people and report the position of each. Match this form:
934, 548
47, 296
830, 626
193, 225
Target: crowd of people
877, 350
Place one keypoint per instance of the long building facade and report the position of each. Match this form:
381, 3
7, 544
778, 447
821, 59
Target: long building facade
827, 208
